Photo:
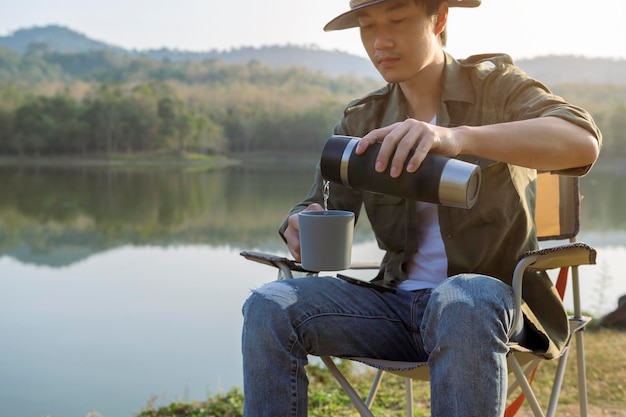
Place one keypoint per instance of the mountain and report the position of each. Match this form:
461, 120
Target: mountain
57, 38
575, 69
63, 40
552, 70
330, 62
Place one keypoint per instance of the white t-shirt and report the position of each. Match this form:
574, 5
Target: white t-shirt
429, 266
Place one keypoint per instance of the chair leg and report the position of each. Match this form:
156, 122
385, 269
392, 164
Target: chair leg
557, 384
528, 369
528, 392
352, 394
582, 374
580, 344
409, 397
378, 377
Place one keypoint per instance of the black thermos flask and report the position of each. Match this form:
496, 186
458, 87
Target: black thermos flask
441, 180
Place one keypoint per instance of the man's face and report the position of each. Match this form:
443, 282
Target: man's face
399, 38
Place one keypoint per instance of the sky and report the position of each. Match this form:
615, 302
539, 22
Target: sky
523, 29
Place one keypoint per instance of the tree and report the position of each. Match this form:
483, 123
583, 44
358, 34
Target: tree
104, 117
210, 137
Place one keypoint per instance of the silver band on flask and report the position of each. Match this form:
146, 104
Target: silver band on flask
345, 161
459, 184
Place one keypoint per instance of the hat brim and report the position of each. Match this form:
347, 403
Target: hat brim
349, 19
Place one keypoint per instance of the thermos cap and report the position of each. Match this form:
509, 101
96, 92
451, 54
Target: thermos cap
459, 184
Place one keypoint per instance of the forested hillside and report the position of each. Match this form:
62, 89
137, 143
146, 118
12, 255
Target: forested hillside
103, 101
209, 107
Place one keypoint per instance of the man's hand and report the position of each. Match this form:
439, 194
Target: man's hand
409, 140
292, 233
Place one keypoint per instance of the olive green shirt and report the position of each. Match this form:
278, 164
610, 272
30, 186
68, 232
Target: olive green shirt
488, 238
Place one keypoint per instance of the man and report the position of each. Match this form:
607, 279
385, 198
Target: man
451, 267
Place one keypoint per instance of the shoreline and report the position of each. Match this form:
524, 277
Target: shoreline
615, 164
119, 161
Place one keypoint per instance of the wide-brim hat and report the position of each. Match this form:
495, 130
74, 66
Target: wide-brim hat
349, 19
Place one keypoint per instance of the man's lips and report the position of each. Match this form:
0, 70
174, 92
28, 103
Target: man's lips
386, 60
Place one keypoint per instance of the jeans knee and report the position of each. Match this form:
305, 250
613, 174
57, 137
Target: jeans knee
271, 295
474, 293
265, 310
470, 305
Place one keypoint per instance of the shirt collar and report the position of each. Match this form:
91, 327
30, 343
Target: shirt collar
456, 85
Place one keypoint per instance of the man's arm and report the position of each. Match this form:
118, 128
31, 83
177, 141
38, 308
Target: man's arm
545, 143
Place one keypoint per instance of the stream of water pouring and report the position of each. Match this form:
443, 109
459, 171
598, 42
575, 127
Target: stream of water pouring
326, 194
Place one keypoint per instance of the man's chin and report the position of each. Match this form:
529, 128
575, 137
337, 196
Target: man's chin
391, 78
389, 75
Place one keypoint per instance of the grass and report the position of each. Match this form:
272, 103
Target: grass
606, 380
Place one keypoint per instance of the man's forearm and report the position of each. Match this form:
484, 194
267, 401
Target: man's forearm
547, 143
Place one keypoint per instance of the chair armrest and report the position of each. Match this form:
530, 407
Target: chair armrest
364, 265
288, 266
272, 260
569, 255
573, 254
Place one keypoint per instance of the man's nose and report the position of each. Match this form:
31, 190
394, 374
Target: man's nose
383, 40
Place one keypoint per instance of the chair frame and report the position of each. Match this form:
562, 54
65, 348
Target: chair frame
522, 364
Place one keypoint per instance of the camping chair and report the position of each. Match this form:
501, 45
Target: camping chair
556, 218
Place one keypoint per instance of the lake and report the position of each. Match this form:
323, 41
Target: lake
121, 287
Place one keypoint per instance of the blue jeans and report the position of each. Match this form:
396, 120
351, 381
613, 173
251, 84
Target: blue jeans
460, 328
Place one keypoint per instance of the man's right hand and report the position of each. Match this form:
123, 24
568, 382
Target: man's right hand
292, 233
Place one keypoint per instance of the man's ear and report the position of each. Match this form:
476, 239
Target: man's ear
441, 18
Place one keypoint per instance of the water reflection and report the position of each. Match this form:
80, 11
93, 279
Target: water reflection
59, 216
